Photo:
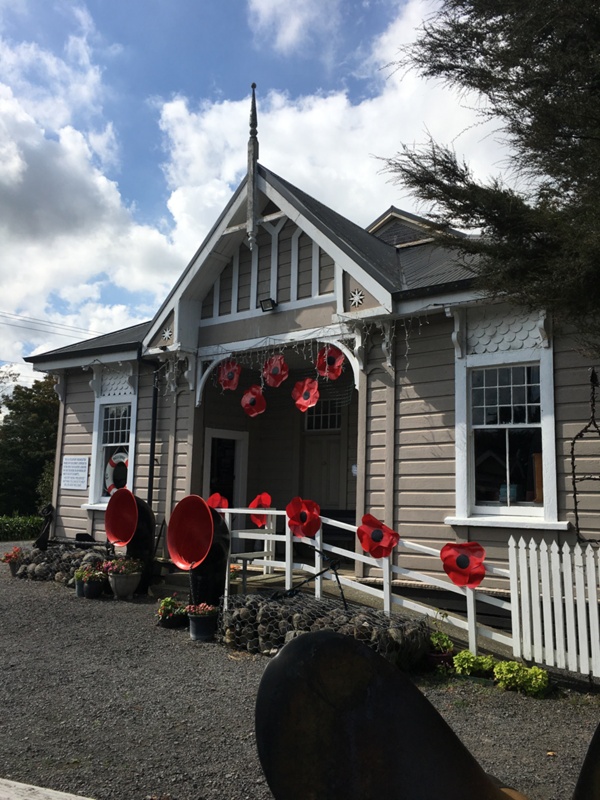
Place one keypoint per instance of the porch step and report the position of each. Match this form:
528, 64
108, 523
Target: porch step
9, 790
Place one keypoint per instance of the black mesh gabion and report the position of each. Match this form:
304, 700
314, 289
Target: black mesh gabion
262, 624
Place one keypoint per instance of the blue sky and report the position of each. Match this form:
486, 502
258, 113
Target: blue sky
123, 131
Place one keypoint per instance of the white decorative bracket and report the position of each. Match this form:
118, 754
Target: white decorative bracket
96, 380
360, 345
458, 334
543, 325
60, 385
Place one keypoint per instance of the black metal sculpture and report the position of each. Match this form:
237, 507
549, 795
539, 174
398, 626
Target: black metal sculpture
336, 721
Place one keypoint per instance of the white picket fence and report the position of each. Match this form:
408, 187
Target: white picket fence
555, 595
553, 603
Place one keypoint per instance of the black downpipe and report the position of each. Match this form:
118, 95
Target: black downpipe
153, 437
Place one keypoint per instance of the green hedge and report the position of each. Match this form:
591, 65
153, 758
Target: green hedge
16, 529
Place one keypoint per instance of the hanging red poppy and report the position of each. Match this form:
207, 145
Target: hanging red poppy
253, 401
306, 394
376, 538
262, 500
330, 361
217, 500
463, 563
275, 371
304, 517
229, 374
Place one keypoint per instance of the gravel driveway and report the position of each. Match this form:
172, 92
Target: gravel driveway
96, 700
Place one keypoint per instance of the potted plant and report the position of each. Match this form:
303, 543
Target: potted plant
79, 576
124, 576
203, 621
94, 581
171, 612
13, 558
442, 650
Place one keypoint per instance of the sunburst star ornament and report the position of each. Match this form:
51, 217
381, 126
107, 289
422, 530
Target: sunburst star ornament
357, 298
166, 334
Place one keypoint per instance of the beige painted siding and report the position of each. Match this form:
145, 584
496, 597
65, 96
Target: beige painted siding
244, 279
305, 260
326, 273
226, 284
264, 243
284, 259
76, 441
572, 402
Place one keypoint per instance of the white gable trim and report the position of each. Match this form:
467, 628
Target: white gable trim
339, 256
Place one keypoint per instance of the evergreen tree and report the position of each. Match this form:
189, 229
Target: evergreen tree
536, 69
27, 443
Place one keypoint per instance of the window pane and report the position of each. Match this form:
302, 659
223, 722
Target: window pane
477, 378
505, 415
533, 414
477, 397
504, 377
491, 397
525, 453
491, 377
490, 465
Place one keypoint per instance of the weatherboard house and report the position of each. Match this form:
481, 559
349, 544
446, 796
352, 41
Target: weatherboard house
444, 415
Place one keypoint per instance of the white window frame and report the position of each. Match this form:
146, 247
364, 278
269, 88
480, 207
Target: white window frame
96, 500
467, 513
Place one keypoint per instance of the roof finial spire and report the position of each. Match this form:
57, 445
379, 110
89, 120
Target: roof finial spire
253, 117
251, 226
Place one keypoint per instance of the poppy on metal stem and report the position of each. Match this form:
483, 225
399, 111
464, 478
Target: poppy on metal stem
262, 500
463, 563
229, 374
275, 370
305, 394
217, 500
253, 401
330, 361
376, 538
304, 517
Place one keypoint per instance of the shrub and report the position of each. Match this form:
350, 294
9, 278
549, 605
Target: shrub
517, 677
16, 529
465, 663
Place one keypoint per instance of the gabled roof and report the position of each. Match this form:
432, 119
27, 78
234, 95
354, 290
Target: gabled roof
375, 256
124, 340
396, 252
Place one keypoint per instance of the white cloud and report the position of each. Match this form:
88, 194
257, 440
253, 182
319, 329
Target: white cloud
325, 144
288, 27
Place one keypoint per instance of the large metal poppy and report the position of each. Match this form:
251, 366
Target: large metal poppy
229, 374
275, 370
306, 394
376, 538
330, 361
304, 517
253, 401
262, 500
217, 500
463, 563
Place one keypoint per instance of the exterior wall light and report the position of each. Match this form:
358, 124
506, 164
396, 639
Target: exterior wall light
268, 304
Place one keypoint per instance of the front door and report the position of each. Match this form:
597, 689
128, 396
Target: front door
225, 465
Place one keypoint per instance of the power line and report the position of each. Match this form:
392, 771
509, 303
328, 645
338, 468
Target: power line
17, 321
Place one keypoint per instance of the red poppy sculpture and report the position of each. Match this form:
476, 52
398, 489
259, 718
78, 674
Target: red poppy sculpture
376, 538
229, 375
275, 371
217, 500
304, 517
306, 394
262, 500
463, 563
253, 401
330, 361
